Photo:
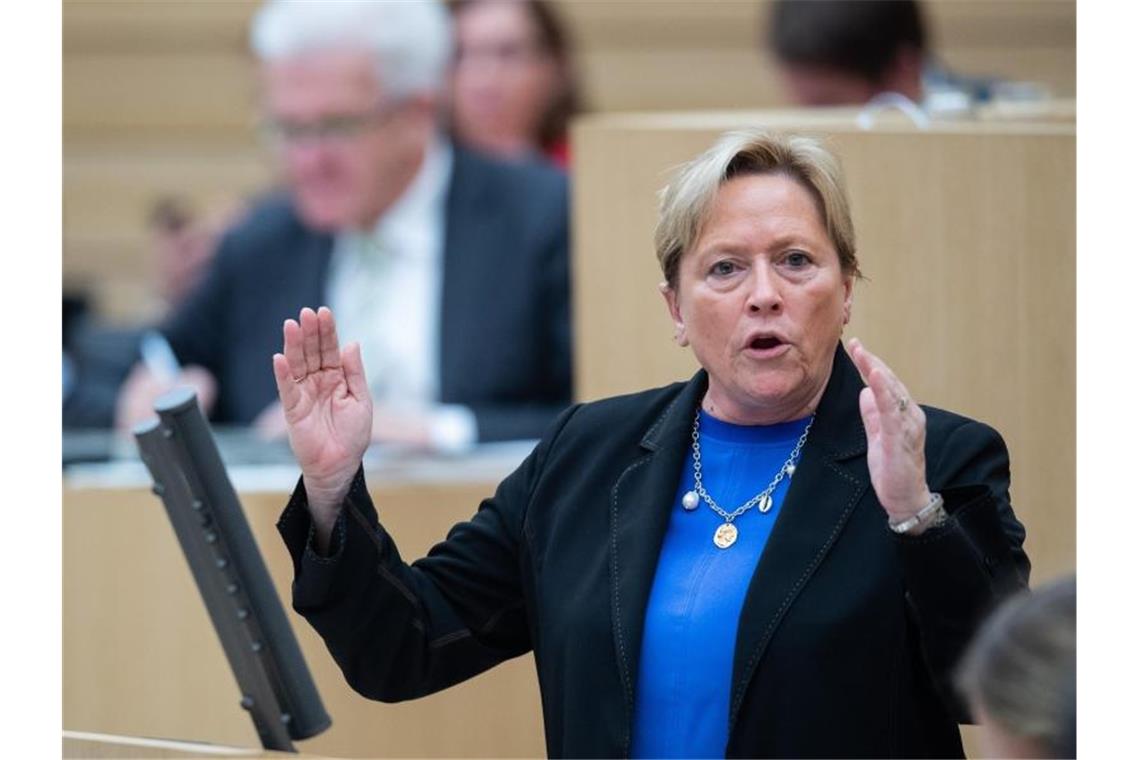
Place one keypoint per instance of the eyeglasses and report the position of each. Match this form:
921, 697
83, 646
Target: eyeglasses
334, 128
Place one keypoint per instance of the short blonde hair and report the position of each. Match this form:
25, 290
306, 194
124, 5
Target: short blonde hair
685, 201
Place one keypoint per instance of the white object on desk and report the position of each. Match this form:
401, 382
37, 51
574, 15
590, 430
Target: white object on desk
159, 357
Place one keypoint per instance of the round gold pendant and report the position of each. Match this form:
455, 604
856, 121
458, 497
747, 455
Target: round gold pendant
725, 536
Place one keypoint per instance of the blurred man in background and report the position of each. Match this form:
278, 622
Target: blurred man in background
97, 357
847, 52
184, 238
844, 52
449, 268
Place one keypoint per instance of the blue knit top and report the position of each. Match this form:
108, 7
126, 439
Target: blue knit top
685, 671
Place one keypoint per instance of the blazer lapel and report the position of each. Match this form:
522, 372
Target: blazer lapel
822, 496
639, 515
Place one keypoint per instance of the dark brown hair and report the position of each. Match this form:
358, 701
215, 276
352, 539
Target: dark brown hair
860, 37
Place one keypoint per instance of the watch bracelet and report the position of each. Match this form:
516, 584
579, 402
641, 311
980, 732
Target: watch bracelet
933, 514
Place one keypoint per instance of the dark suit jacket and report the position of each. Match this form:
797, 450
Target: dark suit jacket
504, 331
848, 631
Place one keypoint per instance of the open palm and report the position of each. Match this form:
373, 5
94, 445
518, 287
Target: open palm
324, 394
896, 437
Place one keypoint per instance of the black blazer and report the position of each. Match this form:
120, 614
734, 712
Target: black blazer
505, 328
848, 632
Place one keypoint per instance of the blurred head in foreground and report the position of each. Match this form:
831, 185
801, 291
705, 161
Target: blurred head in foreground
845, 52
1019, 675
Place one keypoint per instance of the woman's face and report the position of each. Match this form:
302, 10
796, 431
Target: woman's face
762, 299
504, 80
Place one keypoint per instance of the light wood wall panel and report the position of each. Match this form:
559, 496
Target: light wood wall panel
140, 657
966, 235
201, 95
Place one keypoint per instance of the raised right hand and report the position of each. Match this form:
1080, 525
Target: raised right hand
328, 410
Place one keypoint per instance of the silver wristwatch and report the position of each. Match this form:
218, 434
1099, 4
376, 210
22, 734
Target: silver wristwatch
933, 514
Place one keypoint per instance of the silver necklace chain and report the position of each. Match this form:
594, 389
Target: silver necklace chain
765, 496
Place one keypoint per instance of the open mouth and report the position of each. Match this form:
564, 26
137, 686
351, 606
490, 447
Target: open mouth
764, 344
766, 347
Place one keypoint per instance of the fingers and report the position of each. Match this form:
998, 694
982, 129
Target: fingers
310, 339
294, 349
886, 401
326, 332
866, 361
311, 342
896, 433
354, 371
896, 394
870, 412
287, 388
860, 356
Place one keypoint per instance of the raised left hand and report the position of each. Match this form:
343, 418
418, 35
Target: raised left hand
896, 437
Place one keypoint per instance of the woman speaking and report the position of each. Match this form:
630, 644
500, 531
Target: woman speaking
783, 556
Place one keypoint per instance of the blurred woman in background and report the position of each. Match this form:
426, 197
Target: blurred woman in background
514, 88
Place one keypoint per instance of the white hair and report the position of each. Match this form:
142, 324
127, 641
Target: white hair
410, 40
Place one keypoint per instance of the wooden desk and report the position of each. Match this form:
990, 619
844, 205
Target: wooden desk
92, 746
141, 658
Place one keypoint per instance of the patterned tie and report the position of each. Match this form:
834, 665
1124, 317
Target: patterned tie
380, 292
